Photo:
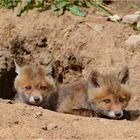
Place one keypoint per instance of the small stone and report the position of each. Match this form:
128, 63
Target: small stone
98, 27
114, 18
31, 108
38, 114
131, 19
51, 126
9, 102
16, 122
137, 13
133, 40
44, 126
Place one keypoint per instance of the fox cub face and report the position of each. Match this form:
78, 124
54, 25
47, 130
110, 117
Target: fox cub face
32, 84
109, 94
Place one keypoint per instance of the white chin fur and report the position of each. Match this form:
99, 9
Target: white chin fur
32, 101
111, 114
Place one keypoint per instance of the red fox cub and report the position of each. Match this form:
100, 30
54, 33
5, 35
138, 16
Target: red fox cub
32, 84
101, 95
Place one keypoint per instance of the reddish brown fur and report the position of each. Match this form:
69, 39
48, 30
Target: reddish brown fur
34, 76
111, 88
80, 97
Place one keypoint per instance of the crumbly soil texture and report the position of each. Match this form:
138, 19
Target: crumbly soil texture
75, 45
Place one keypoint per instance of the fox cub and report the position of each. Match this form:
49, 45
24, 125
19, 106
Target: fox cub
101, 95
32, 85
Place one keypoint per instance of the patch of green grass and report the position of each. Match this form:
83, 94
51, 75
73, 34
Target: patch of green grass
99, 5
8, 3
74, 6
59, 6
30, 4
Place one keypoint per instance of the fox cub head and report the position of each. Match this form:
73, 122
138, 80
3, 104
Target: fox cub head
32, 84
109, 94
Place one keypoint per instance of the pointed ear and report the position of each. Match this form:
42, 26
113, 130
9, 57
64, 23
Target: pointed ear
124, 75
49, 69
17, 67
93, 79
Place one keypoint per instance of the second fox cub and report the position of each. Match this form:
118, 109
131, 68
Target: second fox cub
101, 95
32, 84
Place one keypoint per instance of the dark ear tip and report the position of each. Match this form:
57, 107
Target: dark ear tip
124, 75
93, 78
93, 73
126, 69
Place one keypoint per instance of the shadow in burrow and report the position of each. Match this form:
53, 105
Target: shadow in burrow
7, 84
7, 90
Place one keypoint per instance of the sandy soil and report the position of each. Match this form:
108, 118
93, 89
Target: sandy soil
76, 45
20, 121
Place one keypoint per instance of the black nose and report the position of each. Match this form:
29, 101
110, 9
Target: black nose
118, 114
36, 98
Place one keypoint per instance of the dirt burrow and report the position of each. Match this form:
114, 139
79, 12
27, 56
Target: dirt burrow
76, 45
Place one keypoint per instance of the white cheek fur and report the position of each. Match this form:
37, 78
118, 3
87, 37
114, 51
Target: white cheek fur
112, 114
27, 96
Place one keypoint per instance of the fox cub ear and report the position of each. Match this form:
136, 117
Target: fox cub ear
124, 75
17, 67
93, 79
49, 69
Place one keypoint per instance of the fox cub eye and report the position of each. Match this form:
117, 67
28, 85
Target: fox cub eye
28, 87
43, 87
121, 99
107, 101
